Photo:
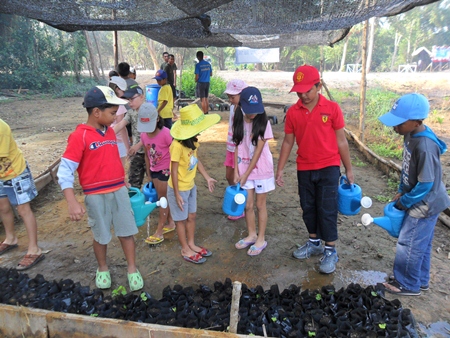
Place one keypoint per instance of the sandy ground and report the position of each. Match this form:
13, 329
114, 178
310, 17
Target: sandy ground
366, 254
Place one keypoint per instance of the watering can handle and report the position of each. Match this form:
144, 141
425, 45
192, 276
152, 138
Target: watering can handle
343, 177
238, 186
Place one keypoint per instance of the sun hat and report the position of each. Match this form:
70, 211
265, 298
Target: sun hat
304, 78
251, 101
234, 87
133, 90
192, 121
119, 82
147, 118
100, 95
408, 107
160, 75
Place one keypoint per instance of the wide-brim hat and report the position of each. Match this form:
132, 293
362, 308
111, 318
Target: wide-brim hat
235, 87
192, 122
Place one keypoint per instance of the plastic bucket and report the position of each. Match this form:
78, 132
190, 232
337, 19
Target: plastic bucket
234, 200
151, 93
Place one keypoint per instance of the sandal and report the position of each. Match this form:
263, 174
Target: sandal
167, 230
204, 252
196, 259
152, 240
135, 281
28, 261
6, 247
103, 279
395, 288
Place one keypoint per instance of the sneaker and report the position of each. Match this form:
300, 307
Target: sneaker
424, 288
308, 250
328, 261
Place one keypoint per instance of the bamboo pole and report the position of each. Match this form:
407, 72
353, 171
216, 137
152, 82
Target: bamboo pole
234, 311
362, 99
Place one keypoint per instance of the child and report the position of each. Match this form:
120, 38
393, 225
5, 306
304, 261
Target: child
254, 165
119, 86
182, 191
317, 125
157, 140
17, 189
165, 98
421, 194
233, 91
136, 100
92, 151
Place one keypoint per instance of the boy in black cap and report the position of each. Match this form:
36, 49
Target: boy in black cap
92, 152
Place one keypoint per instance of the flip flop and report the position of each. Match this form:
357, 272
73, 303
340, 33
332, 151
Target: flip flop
103, 279
29, 261
167, 230
135, 281
152, 240
242, 244
255, 251
196, 259
389, 287
6, 247
204, 252
235, 218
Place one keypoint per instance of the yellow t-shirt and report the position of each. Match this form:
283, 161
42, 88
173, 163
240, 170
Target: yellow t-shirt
187, 165
165, 94
12, 162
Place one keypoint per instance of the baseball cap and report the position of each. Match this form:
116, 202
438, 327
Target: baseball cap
251, 101
100, 95
119, 82
132, 70
408, 107
234, 87
133, 90
147, 117
304, 78
160, 75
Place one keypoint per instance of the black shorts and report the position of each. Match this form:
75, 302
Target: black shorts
202, 89
162, 175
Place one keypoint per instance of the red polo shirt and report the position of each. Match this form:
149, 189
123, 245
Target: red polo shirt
315, 133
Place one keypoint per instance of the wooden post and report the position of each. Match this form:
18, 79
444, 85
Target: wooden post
234, 312
362, 100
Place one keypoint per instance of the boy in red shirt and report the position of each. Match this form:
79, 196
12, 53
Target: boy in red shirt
92, 152
317, 126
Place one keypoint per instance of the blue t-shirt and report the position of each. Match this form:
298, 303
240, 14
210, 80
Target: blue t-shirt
204, 70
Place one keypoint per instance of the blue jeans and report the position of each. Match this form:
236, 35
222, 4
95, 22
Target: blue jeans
413, 257
318, 190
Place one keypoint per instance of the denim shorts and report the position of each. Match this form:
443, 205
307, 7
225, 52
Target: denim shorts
113, 208
189, 206
20, 189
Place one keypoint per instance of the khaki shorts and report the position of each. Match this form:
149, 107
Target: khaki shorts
189, 206
111, 209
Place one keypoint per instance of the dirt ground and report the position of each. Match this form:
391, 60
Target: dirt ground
41, 126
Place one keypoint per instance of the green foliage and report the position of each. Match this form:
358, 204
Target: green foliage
69, 86
217, 85
387, 150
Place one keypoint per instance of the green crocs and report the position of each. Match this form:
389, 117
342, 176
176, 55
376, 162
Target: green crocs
103, 279
135, 281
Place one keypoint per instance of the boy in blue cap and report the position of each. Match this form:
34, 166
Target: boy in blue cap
421, 194
165, 99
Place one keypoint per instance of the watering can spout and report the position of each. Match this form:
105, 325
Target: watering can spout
383, 222
391, 221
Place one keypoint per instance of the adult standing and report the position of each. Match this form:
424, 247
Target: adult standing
166, 60
171, 70
203, 73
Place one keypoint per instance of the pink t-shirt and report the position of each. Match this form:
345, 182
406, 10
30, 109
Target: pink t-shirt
121, 111
264, 166
157, 149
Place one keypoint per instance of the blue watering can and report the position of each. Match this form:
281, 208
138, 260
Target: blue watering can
391, 221
150, 193
142, 209
234, 200
350, 198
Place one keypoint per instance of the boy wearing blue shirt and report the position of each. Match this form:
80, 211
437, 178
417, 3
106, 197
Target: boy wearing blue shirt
421, 194
203, 73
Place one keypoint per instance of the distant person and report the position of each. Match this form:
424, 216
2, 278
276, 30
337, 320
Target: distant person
165, 56
112, 73
17, 189
421, 193
254, 165
92, 152
203, 73
165, 99
132, 73
136, 99
171, 70
124, 72
233, 91
317, 125
182, 191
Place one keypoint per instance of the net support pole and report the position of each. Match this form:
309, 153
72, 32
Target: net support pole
362, 99
234, 311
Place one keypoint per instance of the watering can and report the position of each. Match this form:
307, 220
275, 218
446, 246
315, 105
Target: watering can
150, 193
142, 209
391, 221
350, 198
234, 200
